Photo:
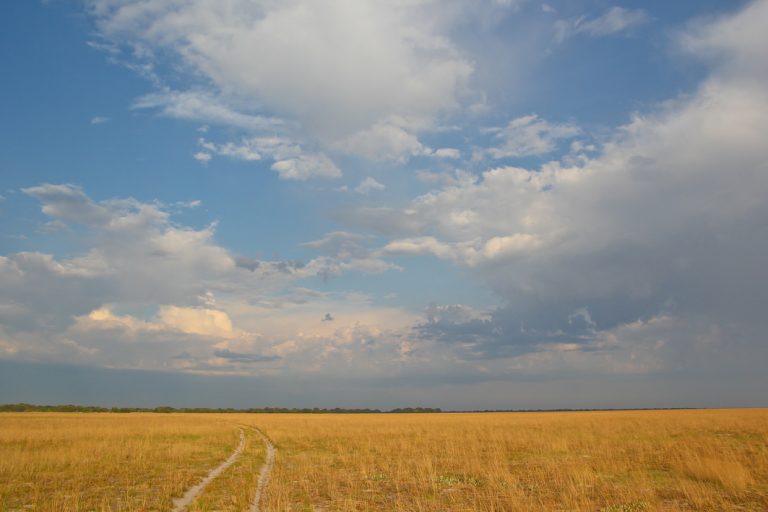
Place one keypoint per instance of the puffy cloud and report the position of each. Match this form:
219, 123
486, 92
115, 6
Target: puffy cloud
447, 153
471, 252
336, 66
736, 43
384, 141
499, 246
421, 245
530, 135
105, 320
69, 203
202, 157
201, 321
368, 185
291, 162
306, 166
644, 256
665, 222
146, 292
343, 251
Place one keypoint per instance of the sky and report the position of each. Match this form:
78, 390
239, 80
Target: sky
465, 204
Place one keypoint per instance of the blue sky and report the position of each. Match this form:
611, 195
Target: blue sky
442, 201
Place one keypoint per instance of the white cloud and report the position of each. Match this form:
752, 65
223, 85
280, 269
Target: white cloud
306, 166
384, 141
291, 162
513, 4
447, 153
99, 120
206, 323
530, 135
736, 44
666, 220
238, 152
469, 252
614, 20
500, 246
336, 66
368, 185
205, 107
69, 203
645, 255
143, 291
202, 157
421, 245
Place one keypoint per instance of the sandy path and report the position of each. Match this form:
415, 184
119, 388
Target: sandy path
180, 504
265, 470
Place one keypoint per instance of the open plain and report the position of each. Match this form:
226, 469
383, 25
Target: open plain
591, 461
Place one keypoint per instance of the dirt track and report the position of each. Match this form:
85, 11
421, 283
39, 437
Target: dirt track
265, 470
181, 504
193, 492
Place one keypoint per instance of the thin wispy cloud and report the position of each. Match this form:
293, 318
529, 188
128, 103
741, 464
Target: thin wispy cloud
613, 21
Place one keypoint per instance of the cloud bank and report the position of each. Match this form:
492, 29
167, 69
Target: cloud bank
632, 251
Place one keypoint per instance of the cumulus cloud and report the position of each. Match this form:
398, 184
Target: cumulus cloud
305, 166
735, 44
341, 70
645, 255
530, 136
343, 251
368, 185
384, 141
665, 223
613, 21
447, 153
290, 161
142, 289
202, 157
68, 203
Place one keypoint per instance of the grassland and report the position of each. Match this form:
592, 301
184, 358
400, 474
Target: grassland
74, 462
591, 461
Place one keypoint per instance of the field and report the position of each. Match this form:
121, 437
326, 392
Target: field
591, 461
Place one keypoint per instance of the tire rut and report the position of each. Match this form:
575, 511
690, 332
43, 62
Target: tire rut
265, 470
181, 504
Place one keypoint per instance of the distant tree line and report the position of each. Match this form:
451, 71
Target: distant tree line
285, 410
166, 409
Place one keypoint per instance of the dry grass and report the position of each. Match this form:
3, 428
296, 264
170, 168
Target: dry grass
127, 462
234, 489
612, 461
590, 461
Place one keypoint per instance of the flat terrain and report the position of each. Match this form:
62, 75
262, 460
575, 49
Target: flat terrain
591, 461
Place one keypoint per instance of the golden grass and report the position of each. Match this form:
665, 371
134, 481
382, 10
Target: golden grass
126, 462
591, 461
613, 461
235, 488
